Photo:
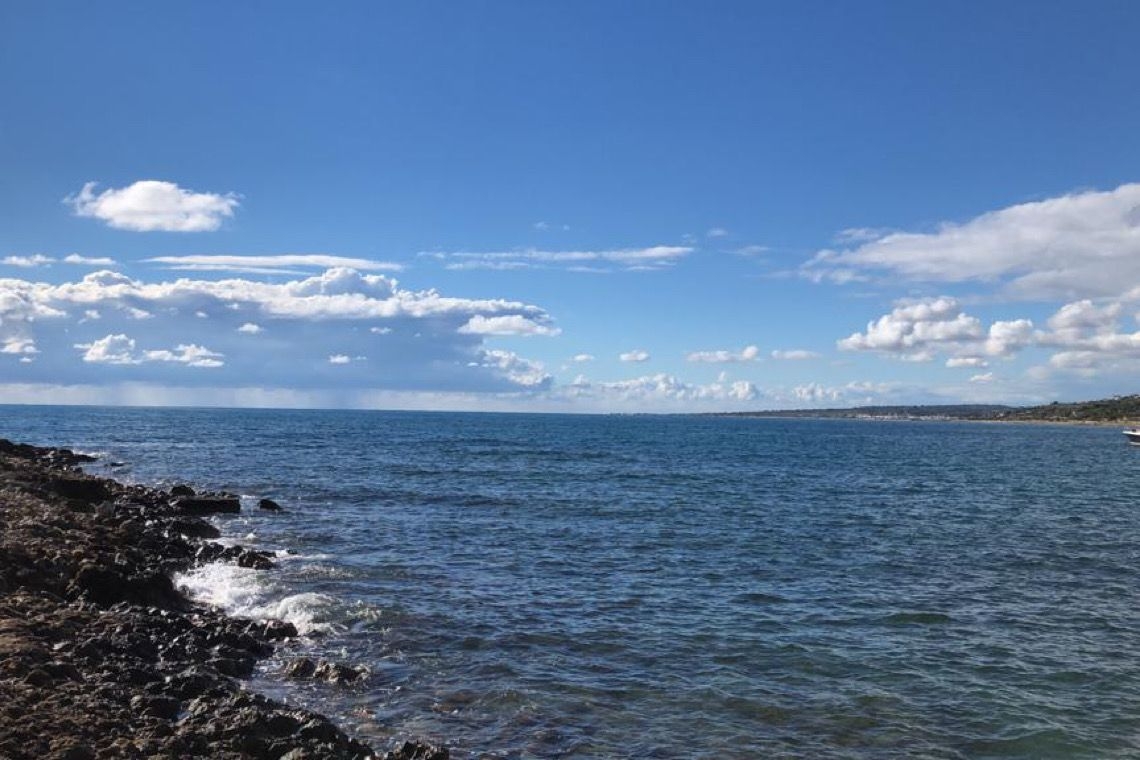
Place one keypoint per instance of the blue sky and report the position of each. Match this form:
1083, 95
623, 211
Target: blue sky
587, 206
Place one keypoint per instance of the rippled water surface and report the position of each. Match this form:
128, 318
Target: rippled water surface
559, 586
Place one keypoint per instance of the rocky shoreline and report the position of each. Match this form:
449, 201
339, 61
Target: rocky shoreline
102, 657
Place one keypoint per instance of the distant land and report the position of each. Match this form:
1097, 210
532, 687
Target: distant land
1120, 409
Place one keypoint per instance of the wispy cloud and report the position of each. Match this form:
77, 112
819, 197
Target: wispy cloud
27, 262
154, 205
794, 355
746, 354
40, 260
1081, 245
653, 257
717, 232
274, 264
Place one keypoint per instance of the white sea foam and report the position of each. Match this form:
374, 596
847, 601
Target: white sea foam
245, 592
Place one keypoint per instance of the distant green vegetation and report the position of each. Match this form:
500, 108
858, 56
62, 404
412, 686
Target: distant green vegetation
1117, 409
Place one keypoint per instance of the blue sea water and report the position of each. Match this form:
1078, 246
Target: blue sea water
605, 586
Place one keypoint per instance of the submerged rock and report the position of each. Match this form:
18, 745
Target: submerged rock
269, 504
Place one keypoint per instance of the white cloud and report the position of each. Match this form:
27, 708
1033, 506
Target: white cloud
510, 324
1084, 335
797, 354
19, 347
630, 259
27, 262
637, 355
583, 358
662, 391
277, 264
524, 372
751, 250
966, 361
717, 232
120, 349
87, 261
746, 354
1081, 245
913, 328
154, 205
345, 359
424, 348
982, 378
541, 225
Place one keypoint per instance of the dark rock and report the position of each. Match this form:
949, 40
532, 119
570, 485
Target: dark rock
156, 707
208, 505
276, 630
269, 504
193, 528
417, 751
81, 488
301, 669
256, 560
182, 490
338, 673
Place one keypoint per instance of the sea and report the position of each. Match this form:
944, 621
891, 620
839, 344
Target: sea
564, 586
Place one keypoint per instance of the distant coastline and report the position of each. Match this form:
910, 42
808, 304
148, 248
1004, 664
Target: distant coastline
1119, 410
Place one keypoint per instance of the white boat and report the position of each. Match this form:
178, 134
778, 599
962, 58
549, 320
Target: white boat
1133, 435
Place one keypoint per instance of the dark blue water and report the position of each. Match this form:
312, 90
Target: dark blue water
559, 586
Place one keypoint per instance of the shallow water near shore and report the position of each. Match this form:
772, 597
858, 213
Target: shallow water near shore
565, 586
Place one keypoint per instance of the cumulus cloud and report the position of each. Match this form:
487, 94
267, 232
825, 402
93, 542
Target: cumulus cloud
661, 390
653, 257
510, 324
154, 205
19, 347
1080, 245
1083, 335
746, 354
637, 355
797, 354
277, 264
431, 342
120, 349
525, 372
914, 328
583, 358
985, 377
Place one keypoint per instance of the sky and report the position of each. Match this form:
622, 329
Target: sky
569, 206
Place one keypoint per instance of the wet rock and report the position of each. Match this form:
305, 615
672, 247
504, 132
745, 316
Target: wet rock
301, 669
417, 751
269, 504
208, 505
338, 673
182, 490
101, 657
193, 528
